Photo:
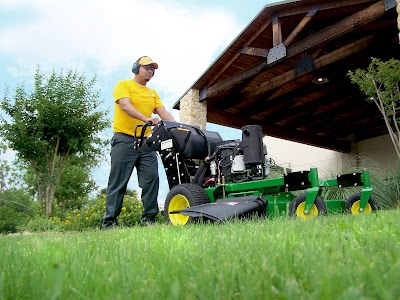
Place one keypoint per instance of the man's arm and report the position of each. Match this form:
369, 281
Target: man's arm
132, 111
164, 114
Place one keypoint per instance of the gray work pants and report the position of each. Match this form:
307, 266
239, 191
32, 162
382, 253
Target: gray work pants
123, 160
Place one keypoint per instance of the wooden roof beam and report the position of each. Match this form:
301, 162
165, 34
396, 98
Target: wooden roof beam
225, 119
264, 52
319, 63
362, 17
301, 26
322, 6
290, 110
236, 55
276, 31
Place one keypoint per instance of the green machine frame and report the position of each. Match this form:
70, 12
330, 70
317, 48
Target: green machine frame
278, 191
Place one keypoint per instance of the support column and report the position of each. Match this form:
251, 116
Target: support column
192, 111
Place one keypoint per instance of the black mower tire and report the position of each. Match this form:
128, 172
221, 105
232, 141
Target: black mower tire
183, 196
353, 201
319, 203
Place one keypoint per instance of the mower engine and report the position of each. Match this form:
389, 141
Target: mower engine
191, 155
239, 161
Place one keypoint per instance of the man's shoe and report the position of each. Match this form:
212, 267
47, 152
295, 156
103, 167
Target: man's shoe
109, 225
147, 222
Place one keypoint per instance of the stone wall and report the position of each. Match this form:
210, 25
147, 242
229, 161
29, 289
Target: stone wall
192, 111
398, 17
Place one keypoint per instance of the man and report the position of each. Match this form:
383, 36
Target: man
134, 105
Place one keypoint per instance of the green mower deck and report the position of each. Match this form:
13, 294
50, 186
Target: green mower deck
282, 200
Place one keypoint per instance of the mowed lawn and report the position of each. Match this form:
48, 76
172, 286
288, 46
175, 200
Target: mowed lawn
334, 257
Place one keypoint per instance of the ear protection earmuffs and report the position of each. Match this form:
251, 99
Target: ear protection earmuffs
136, 66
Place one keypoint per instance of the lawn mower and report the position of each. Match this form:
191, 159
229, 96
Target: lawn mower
215, 180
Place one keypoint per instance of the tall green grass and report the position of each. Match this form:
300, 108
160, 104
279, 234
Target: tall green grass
387, 186
385, 182
334, 257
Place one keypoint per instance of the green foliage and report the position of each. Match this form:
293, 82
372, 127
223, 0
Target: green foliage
336, 193
63, 107
11, 173
386, 185
385, 181
9, 219
76, 184
380, 83
41, 223
16, 208
380, 79
89, 216
129, 192
57, 120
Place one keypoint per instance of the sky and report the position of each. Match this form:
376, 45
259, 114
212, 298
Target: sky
104, 38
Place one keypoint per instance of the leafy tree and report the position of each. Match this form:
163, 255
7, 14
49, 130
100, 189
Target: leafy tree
10, 172
16, 209
4, 168
129, 192
60, 118
380, 83
16, 206
75, 185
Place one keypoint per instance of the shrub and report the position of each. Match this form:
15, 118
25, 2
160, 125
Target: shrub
16, 208
90, 216
41, 223
387, 187
9, 220
385, 182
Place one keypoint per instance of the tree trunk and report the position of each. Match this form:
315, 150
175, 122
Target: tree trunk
381, 106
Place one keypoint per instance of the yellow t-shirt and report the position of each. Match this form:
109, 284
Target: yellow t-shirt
143, 98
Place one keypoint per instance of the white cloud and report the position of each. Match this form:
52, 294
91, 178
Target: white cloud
106, 37
111, 35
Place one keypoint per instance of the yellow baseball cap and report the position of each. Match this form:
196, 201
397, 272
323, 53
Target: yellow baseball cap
145, 61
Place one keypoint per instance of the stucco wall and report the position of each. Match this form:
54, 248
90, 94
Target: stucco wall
300, 157
379, 152
379, 149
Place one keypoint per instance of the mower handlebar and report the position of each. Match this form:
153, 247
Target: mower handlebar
140, 138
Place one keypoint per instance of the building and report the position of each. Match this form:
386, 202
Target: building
287, 72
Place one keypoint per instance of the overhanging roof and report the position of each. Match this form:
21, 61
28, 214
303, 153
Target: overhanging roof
265, 76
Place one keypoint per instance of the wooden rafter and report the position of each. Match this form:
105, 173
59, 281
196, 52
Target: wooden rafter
307, 18
235, 56
322, 6
276, 30
319, 62
334, 31
225, 118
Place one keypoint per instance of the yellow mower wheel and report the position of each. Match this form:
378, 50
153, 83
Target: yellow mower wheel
178, 202
352, 205
355, 208
300, 211
180, 197
296, 207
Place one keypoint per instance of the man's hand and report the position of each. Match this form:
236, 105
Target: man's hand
153, 121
